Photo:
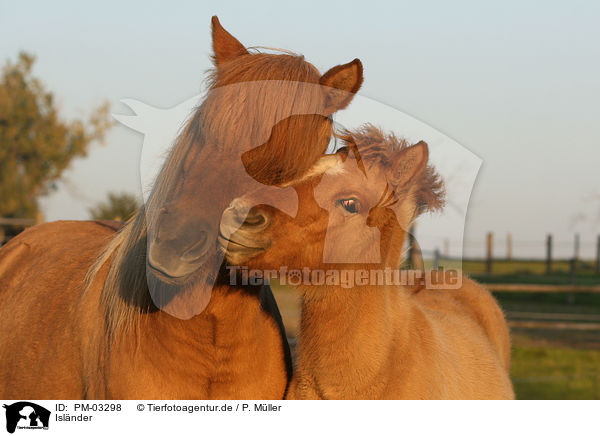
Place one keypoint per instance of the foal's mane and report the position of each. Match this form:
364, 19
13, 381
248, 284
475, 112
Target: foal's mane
216, 123
372, 146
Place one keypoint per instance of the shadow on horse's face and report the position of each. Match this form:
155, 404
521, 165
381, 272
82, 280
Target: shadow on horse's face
265, 120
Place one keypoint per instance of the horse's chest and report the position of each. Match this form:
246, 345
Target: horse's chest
203, 369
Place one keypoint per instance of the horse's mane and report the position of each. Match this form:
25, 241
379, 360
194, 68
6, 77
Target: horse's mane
373, 146
216, 123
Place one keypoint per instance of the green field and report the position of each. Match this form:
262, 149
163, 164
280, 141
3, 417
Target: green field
555, 373
530, 267
554, 363
550, 302
515, 266
528, 271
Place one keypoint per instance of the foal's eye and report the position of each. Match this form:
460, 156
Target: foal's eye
350, 204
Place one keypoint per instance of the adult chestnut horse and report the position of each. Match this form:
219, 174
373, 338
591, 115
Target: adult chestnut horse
378, 339
90, 313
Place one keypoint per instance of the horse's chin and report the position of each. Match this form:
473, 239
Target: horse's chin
204, 271
164, 277
184, 296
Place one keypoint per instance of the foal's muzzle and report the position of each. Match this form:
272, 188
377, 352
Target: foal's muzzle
241, 233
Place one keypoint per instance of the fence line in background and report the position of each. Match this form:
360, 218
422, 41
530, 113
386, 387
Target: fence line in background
489, 252
598, 255
549, 254
574, 262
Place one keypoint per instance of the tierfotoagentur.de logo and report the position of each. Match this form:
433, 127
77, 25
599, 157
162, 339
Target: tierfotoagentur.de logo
25, 415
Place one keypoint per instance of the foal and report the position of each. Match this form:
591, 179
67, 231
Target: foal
374, 341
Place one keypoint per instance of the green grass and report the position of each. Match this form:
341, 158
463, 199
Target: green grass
525, 271
555, 373
549, 302
529, 267
554, 363
551, 279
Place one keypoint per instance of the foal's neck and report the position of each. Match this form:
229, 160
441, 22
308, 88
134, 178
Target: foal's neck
346, 335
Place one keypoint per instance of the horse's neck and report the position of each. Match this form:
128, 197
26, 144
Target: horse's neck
347, 334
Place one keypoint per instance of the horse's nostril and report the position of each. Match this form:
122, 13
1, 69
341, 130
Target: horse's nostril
255, 219
197, 250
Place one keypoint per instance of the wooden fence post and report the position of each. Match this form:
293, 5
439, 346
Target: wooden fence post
549, 254
414, 251
598, 255
572, 266
576, 250
489, 254
509, 246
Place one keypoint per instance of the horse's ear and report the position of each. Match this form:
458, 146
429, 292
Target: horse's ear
341, 82
225, 46
410, 163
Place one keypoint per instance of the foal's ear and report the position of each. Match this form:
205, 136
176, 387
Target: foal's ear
341, 84
410, 164
225, 46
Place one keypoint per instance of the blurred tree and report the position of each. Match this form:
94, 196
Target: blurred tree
36, 145
119, 207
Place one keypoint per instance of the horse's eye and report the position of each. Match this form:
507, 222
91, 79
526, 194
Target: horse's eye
350, 204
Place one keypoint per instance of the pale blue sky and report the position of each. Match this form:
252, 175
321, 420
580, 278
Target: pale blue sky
515, 82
